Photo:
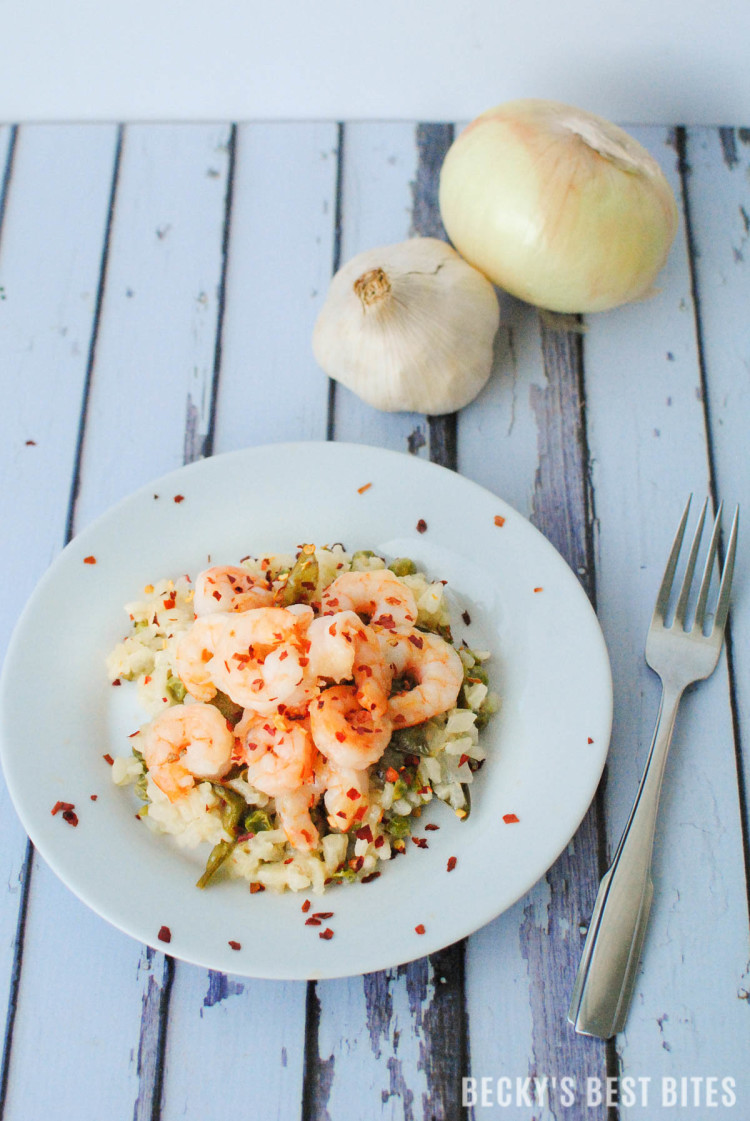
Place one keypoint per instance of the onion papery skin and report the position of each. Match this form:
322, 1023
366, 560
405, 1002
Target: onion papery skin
551, 218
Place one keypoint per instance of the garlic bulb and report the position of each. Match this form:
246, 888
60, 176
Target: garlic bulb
557, 206
409, 327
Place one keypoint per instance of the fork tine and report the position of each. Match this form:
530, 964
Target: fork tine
666, 585
722, 609
700, 610
682, 602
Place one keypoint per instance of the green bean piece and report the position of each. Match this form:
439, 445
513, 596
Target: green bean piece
232, 808
403, 566
361, 555
410, 741
226, 706
258, 821
302, 581
216, 858
175, 689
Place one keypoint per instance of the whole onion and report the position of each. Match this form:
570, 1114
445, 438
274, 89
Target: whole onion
557, 206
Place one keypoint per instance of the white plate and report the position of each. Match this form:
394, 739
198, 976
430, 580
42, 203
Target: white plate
546, 747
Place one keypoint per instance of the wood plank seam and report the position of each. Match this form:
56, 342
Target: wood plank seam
728, 146
192, 453
336, 262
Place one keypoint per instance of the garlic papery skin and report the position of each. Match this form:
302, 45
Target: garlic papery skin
409, 328
557, 206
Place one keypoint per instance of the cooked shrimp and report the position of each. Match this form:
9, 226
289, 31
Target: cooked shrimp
228, 588
186, 742
280, 755
378, 596
346, 793
194, 652
261, 658
436, 669
346, 733
342, 648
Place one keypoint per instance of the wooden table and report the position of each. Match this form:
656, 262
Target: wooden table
158, 289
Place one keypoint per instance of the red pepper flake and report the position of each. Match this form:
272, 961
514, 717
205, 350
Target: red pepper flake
117, 681
466, 617
463, 759
510, 819
93, 797
420, 929
364, 834
323, 915
415, 640
31, 443
65, 807
369, 877
327, 934
312, 921
420, 842
289, 860
431, 826
353, 794
165, 934
179, 498
108, 758
306, 905
451, 863
341, 736
589, 740
89, 560
362, 489
391, 774
234, 945
379, 842
421, 525
169, 603
538, 589
499, 519
255, 888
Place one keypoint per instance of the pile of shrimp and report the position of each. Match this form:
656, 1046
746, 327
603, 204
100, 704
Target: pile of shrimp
316, 691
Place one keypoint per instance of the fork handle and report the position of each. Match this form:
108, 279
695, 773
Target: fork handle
606, 976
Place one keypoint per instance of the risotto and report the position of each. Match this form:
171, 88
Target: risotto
303, 710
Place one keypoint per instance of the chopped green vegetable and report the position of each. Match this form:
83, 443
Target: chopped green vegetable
410, 741
403, 566
399, 827
302, 581
232, 807
258, 821
226, 706
216, 858
175, 689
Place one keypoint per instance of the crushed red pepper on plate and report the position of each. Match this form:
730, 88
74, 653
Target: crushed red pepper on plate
327, 933
362, 489
108, 759
165, 934
234, 945
452, 861
89, 560
179, 498
421, 526
420, 929
510, 819
499, 519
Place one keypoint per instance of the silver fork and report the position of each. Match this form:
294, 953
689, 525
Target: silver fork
606, 976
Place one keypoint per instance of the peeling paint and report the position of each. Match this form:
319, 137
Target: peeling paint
219, 988
728, 143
